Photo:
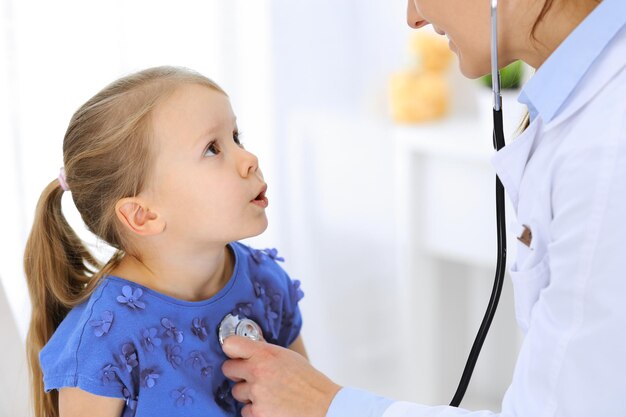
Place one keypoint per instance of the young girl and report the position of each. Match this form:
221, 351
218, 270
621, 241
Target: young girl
156, 169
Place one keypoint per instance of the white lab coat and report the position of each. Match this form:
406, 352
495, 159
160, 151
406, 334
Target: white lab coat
567, 182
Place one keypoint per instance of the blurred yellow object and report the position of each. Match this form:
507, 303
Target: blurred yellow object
418, 97
422, 93
431, 50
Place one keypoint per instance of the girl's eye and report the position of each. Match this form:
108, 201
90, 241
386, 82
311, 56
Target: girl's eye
211, 149
236, 135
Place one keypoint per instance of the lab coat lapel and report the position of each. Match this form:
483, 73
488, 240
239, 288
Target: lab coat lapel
510, 161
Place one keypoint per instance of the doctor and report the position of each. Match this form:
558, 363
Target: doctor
566, 178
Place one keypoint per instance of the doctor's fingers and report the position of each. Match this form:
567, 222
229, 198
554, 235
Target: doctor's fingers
256, 405
253, 410
260, 359
237, 370
239, 347
242, 392
261, 369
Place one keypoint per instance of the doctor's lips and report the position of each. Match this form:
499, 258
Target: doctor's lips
261, 200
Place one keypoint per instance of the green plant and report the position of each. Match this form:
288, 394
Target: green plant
510, 76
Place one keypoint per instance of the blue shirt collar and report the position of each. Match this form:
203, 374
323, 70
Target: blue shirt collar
557, 78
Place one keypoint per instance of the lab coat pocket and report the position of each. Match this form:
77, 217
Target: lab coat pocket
527, 285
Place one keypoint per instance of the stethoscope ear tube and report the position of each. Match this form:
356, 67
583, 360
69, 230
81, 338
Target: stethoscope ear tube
498, 143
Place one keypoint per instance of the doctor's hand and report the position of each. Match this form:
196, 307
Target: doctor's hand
275, 382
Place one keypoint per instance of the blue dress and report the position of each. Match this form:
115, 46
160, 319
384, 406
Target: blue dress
162, 355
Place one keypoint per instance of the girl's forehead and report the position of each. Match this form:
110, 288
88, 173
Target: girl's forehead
192, 110
196, 98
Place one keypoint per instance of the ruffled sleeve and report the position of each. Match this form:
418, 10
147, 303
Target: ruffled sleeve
280, 295
91, 350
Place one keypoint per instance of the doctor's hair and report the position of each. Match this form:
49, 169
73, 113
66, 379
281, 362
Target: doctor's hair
107, 156
544, 11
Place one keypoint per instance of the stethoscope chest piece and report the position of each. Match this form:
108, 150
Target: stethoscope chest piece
233, 325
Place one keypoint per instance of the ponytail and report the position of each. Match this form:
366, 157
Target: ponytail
60, 274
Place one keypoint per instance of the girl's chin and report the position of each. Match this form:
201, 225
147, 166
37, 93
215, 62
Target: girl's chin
260, 228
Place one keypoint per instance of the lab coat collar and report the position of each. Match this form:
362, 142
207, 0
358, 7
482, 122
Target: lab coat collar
510, 161
555, 81
592, 55
609, 65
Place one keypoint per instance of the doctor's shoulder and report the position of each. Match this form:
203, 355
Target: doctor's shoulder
597, 116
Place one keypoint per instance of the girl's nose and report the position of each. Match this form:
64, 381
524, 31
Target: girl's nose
248, 163
413, 18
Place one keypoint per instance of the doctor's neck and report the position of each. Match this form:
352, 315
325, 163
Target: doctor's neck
555, 20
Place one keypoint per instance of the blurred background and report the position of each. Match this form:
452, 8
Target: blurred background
376, 151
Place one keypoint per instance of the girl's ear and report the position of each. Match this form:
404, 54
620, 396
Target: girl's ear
137, 217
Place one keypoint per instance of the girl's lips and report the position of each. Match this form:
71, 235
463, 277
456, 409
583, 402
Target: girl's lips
261, 200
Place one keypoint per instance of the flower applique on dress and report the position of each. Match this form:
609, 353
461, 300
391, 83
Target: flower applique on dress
171, 330
128, 358
224, 398
182, 396
131, 298
206, 371
259, 289
150, 339
196, 360
243, 310
103, 325
272, 302
295, 295
172, 353
265, 290
149, 377
272, 253
199, 329
131, 400
295, 292
109, 374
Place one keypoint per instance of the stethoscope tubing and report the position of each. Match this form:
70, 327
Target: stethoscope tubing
498, 143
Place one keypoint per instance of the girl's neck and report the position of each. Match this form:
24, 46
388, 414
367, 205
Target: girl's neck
189, 278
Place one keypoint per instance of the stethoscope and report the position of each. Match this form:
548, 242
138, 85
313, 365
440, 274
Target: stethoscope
241, 326
498, 143
235, 325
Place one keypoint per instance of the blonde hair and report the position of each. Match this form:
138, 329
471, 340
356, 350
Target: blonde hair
107, 156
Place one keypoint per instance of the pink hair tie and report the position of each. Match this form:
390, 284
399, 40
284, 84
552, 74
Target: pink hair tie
63, 180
